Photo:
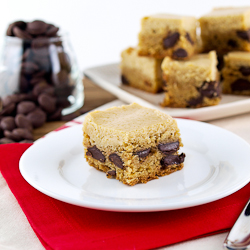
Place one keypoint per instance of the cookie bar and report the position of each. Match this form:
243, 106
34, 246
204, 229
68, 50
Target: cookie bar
140, 71
132, 143
226, 29
192, 83
236, 73
164, 35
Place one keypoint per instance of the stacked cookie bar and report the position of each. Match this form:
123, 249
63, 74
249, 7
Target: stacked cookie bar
185, 64
227, 30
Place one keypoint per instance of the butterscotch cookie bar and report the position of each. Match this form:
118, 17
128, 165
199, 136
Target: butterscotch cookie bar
236, 73
167, 35
226, 29
141, 72
192, 83
132, 143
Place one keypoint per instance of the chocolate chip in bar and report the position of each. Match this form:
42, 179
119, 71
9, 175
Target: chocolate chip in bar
96, 153
195, 101
124, 80
245, 71
232, 43
170, 147
240, 85
210, 89
143, 153
244, 34
188, 37
111, 174
171, 40
116, 159
172, 160
180, 53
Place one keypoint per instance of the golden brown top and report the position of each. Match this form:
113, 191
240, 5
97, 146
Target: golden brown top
128, 117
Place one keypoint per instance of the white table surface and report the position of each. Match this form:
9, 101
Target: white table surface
16, 233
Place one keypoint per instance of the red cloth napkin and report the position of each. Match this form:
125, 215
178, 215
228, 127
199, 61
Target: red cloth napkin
59, 225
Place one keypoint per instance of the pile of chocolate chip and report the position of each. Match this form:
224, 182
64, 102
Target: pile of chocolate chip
43, 93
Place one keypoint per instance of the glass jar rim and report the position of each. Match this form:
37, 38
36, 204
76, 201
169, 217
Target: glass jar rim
60, 37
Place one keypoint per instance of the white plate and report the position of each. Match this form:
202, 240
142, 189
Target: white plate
216, 165
108, 78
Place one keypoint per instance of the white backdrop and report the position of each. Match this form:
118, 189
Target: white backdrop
100, 29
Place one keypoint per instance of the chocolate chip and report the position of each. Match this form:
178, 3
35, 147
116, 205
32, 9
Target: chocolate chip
8, 110
22, 122
37, 27
96, 153
29, 67
232, 43
188, 37
25, 107
8, 123
143, 153
111, 174
21, 33
169, 147
124, 80
23, 133
26, 141
116, 159
195, 101
20, 24
37, 117
43, 87
10, 99
210, 89
171, 40
245, 71
240, 85
172, 160
27, 55
47, 103
23, 84
5, 140
180, 53
51, 30
8, 134
243, 34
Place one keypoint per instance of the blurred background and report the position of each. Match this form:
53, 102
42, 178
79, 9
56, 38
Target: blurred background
99, 30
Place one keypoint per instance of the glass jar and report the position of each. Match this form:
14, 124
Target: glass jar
42, 66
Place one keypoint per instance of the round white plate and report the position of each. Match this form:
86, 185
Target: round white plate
216, 165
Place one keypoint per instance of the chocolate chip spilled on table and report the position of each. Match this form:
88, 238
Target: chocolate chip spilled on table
42, 94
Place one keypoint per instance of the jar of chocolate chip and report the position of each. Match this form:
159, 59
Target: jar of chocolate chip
38, 66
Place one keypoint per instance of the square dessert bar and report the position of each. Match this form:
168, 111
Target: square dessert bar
192, 83
164, 35
140, 71
236, 73
226, 29
132, 143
